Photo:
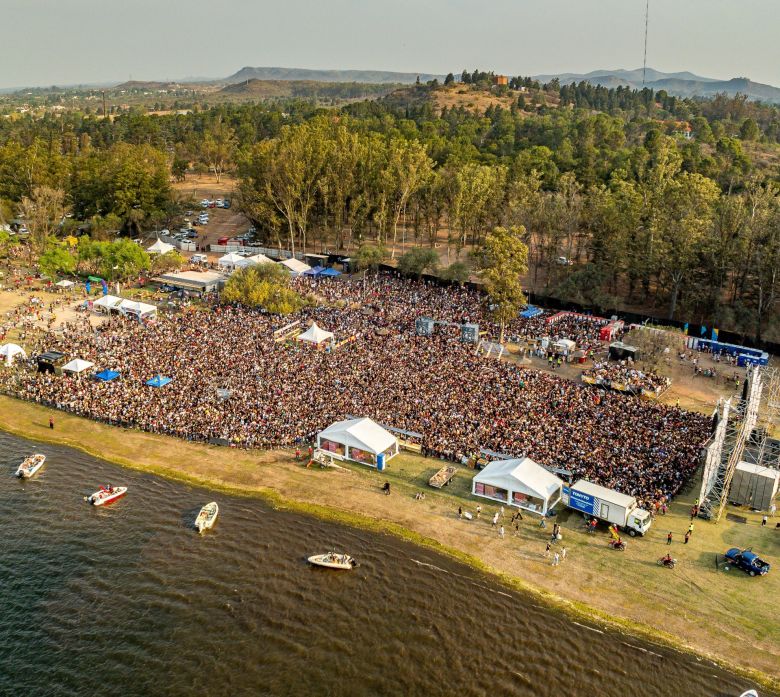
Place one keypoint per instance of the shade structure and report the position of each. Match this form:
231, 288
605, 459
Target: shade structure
521, 483
295, 266
160, 247
11, 351
137, 309
361, 440
315, 335
330, 272
315, 271
65, 283
254, 260
77, 365
106, 303
107, 375
158, 381
229, 261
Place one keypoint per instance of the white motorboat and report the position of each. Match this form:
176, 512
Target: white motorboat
30, 466
749, 693
106, 495
333, 561
207, 516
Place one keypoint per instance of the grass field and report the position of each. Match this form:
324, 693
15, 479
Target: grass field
727, 616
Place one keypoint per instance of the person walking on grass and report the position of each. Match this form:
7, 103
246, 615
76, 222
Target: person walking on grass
563, 554
460, 511
763, 522
51, 423
501, 532
556, 559
547, 550
495, 519
501, 512
479, 510
687, 537
669, 538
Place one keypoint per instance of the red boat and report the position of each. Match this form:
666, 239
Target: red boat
106, 495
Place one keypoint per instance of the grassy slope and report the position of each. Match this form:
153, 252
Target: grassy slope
726, 616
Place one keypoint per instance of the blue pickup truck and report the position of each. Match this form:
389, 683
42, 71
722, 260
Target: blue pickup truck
748, 561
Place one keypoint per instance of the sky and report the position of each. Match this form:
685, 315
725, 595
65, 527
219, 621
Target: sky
47, 42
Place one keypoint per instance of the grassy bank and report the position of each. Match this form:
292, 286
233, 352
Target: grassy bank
728, 617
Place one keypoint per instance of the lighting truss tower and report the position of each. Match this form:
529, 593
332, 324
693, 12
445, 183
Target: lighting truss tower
727, 447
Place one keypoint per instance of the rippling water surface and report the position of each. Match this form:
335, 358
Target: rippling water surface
129, 600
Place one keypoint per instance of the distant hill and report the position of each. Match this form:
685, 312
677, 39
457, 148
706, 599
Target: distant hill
363, 76
683, 84
131, 85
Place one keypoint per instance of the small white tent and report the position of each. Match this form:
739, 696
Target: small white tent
521, 483
255, 260
11, 351
106, 303
230, 261
65, 283
315, 335
295, 266
160, 247
77, 365
360, 440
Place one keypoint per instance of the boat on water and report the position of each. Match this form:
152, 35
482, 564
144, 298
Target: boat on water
106, 494
30, 466
333, 561
207, 516
749, 693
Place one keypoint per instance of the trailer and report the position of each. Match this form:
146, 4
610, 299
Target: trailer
608, 505
442, 477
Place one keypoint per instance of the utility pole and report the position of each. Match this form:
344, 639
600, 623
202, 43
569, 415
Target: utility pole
105, 113
644, 64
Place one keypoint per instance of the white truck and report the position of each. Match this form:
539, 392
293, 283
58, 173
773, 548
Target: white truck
607, 505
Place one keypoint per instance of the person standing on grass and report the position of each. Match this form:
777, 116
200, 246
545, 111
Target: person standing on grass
556, 559
460, 511
547, 550
690, 529
687, 537
51, 423
495, 519
772, 510
563, 554
501, 532
763, 522
501, 512
479, 510
669, 538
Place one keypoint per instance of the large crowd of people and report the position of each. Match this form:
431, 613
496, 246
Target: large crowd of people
233, 381
624, 375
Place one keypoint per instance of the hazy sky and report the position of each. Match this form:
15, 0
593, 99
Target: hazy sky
48, 42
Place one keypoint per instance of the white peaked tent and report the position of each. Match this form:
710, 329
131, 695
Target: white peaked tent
77, 365
106, 303
137, 309
255, 260
230, 261
11, 351
160, 247
65, 283
315, 335
295, 266
360, 440
521, 483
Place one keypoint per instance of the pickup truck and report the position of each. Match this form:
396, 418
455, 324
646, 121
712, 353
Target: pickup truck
748, 561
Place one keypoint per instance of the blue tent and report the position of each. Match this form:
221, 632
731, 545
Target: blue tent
531, 311
107, 375
158, 381
330, 272
316, 271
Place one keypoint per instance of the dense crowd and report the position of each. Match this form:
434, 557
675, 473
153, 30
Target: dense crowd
281, 393
624, 375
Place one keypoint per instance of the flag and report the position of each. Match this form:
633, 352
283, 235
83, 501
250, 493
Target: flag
685, 329
703, 330
714, 334
89, 287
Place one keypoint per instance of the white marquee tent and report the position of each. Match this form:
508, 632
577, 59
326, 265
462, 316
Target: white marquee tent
160, 247
137, 309
315, 335
521, 483
65, 283
255, 260
230, 261
77, 365
360, 440
11, 351
295, 266
106, 303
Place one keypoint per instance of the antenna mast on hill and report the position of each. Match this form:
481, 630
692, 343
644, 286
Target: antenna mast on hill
644, 65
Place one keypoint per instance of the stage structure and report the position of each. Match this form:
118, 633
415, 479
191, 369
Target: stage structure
738, 436
425, 326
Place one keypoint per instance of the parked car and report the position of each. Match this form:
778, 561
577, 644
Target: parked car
222, 241
748, 561
564, 261
205, 203
212, 204
199, 259
219, 202
226, 203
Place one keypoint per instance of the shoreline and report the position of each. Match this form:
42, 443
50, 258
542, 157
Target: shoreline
30, 421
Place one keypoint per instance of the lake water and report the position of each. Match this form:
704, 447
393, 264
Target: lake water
129, 600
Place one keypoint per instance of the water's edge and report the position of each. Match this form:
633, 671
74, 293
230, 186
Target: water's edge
573, 610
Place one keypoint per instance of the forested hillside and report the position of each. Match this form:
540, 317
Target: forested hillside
662, 203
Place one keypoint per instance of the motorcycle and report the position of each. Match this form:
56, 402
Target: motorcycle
619, 545
668, 563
